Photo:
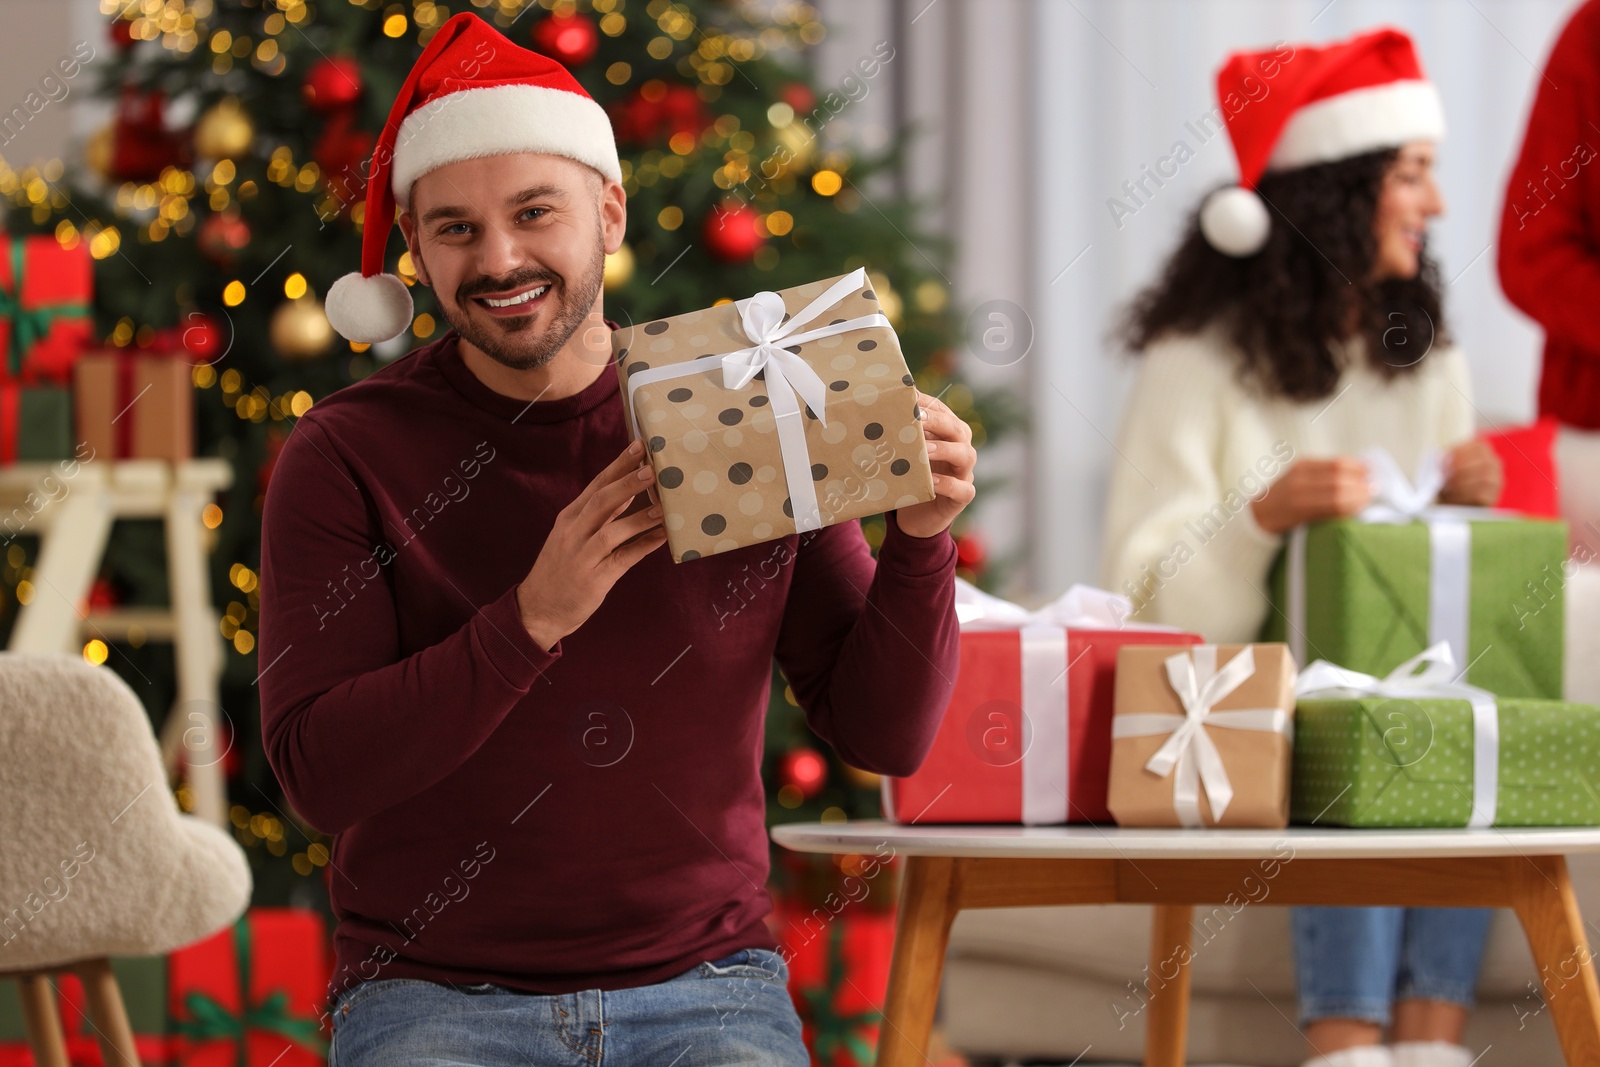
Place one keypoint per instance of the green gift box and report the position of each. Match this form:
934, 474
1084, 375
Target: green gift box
1371, 592
1388, 754
35, 423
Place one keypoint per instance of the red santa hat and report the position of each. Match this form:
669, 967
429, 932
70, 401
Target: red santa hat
471, 93
1319, 104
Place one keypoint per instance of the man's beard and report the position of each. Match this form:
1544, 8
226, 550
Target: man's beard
510, 342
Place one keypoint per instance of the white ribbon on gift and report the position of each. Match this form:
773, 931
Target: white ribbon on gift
1043, 635
1189, 753
1397, 499
1437, 679
789, 378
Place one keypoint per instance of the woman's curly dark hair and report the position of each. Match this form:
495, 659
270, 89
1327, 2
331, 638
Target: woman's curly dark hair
1308, 286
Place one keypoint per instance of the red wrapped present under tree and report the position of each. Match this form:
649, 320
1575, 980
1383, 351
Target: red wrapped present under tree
45, 315
252, 996
1027, 735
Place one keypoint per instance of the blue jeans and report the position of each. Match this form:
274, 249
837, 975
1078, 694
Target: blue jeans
732, 1012
1354, 963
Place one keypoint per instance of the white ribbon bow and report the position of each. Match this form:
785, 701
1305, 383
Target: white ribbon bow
1190, 753
1397, 499
1437, 679
1081, 607
786, 375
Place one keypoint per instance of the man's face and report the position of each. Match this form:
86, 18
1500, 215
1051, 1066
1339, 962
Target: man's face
514, 249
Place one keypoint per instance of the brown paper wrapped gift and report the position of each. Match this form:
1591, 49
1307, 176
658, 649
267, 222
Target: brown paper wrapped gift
1244, 696
724, 448
133, 404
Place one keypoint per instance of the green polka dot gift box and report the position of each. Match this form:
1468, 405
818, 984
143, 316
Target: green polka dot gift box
1400, 761
776, 414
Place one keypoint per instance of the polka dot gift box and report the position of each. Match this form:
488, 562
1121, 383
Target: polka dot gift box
1422, 749
776, 414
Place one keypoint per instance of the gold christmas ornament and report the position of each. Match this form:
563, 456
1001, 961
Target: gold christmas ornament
798, 147
619, 267
299, 330
224, 131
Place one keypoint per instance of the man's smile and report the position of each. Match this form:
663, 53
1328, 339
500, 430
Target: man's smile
513, 302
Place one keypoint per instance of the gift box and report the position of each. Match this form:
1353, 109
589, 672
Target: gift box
1371, 592
1421, 749
252, 994
35, 423
778, 414
1026, 737
838, 979
143, 984
135, 404
45, 317
1202, 737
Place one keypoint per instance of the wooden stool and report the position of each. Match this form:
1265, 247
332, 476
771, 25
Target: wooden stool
106, 1014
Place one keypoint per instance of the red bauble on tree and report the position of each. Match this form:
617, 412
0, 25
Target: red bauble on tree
121, 34
332, 83
221, 237
799, 96
971, 552
340, 150
202, 336
805, 769
683, 111
572, 39
732, 232
141, 145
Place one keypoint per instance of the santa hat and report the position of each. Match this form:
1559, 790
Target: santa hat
1319, 104
471, 93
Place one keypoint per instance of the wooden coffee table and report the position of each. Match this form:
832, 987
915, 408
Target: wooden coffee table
953, 867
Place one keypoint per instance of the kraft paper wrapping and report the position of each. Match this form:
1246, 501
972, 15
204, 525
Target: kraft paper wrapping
1257, 762
719, 469
158, 407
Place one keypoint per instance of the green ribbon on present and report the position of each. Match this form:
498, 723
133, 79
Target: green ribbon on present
29, 326
837, 1031
211, 1021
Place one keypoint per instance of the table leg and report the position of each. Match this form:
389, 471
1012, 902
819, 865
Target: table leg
1166, 1033
922, 932
1544, 902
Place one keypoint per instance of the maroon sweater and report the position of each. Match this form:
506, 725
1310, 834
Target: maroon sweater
588, 817
1550, 227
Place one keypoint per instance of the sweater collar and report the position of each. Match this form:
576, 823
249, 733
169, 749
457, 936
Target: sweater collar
447, 357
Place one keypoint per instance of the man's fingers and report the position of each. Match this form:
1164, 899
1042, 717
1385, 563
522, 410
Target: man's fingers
609, 499
626, 461
627, 555
617, 531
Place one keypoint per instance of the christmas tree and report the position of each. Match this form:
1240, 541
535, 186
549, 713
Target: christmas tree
220, 232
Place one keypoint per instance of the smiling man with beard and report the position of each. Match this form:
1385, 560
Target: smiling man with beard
530, 678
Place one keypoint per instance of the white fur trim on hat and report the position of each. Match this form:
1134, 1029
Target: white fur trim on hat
1362, 120
368, 310
1235, 221
499, 120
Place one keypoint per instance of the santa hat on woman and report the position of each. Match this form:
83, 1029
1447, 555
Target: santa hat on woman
471, 93
1322, 103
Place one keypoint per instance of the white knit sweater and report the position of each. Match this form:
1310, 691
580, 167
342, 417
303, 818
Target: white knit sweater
1181, 539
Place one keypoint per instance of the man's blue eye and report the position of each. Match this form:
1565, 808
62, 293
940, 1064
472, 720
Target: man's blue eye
531, 210
456, 228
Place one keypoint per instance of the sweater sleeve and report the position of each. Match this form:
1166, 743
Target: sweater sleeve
1180, 541
870, 649
1548, 262
1457, 417
351, 726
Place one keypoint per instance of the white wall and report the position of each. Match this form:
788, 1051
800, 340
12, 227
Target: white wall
1115, 81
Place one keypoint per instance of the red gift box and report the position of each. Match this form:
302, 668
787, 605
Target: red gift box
252, 995
45, 292
838, 979
1026, 737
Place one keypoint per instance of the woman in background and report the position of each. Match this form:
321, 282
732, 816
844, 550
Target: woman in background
1298, 324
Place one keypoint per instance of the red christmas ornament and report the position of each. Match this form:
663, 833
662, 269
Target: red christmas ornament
221, 237
572, 39
332, 83
201, 336
141, 145
799, 96
971, 552
340, 151
683, 111
731, 233
805, 769
121, 34
102, 596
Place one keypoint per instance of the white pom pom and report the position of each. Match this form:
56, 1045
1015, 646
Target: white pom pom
369, 310
1235, 221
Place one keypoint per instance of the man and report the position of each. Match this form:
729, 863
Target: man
1549, 261
536, 739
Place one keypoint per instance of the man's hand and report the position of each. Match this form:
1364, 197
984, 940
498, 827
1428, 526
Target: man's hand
952, 457
586, 552
1474, 476
1313, 490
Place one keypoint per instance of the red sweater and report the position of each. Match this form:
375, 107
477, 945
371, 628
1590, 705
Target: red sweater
1549, 254
588, 817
